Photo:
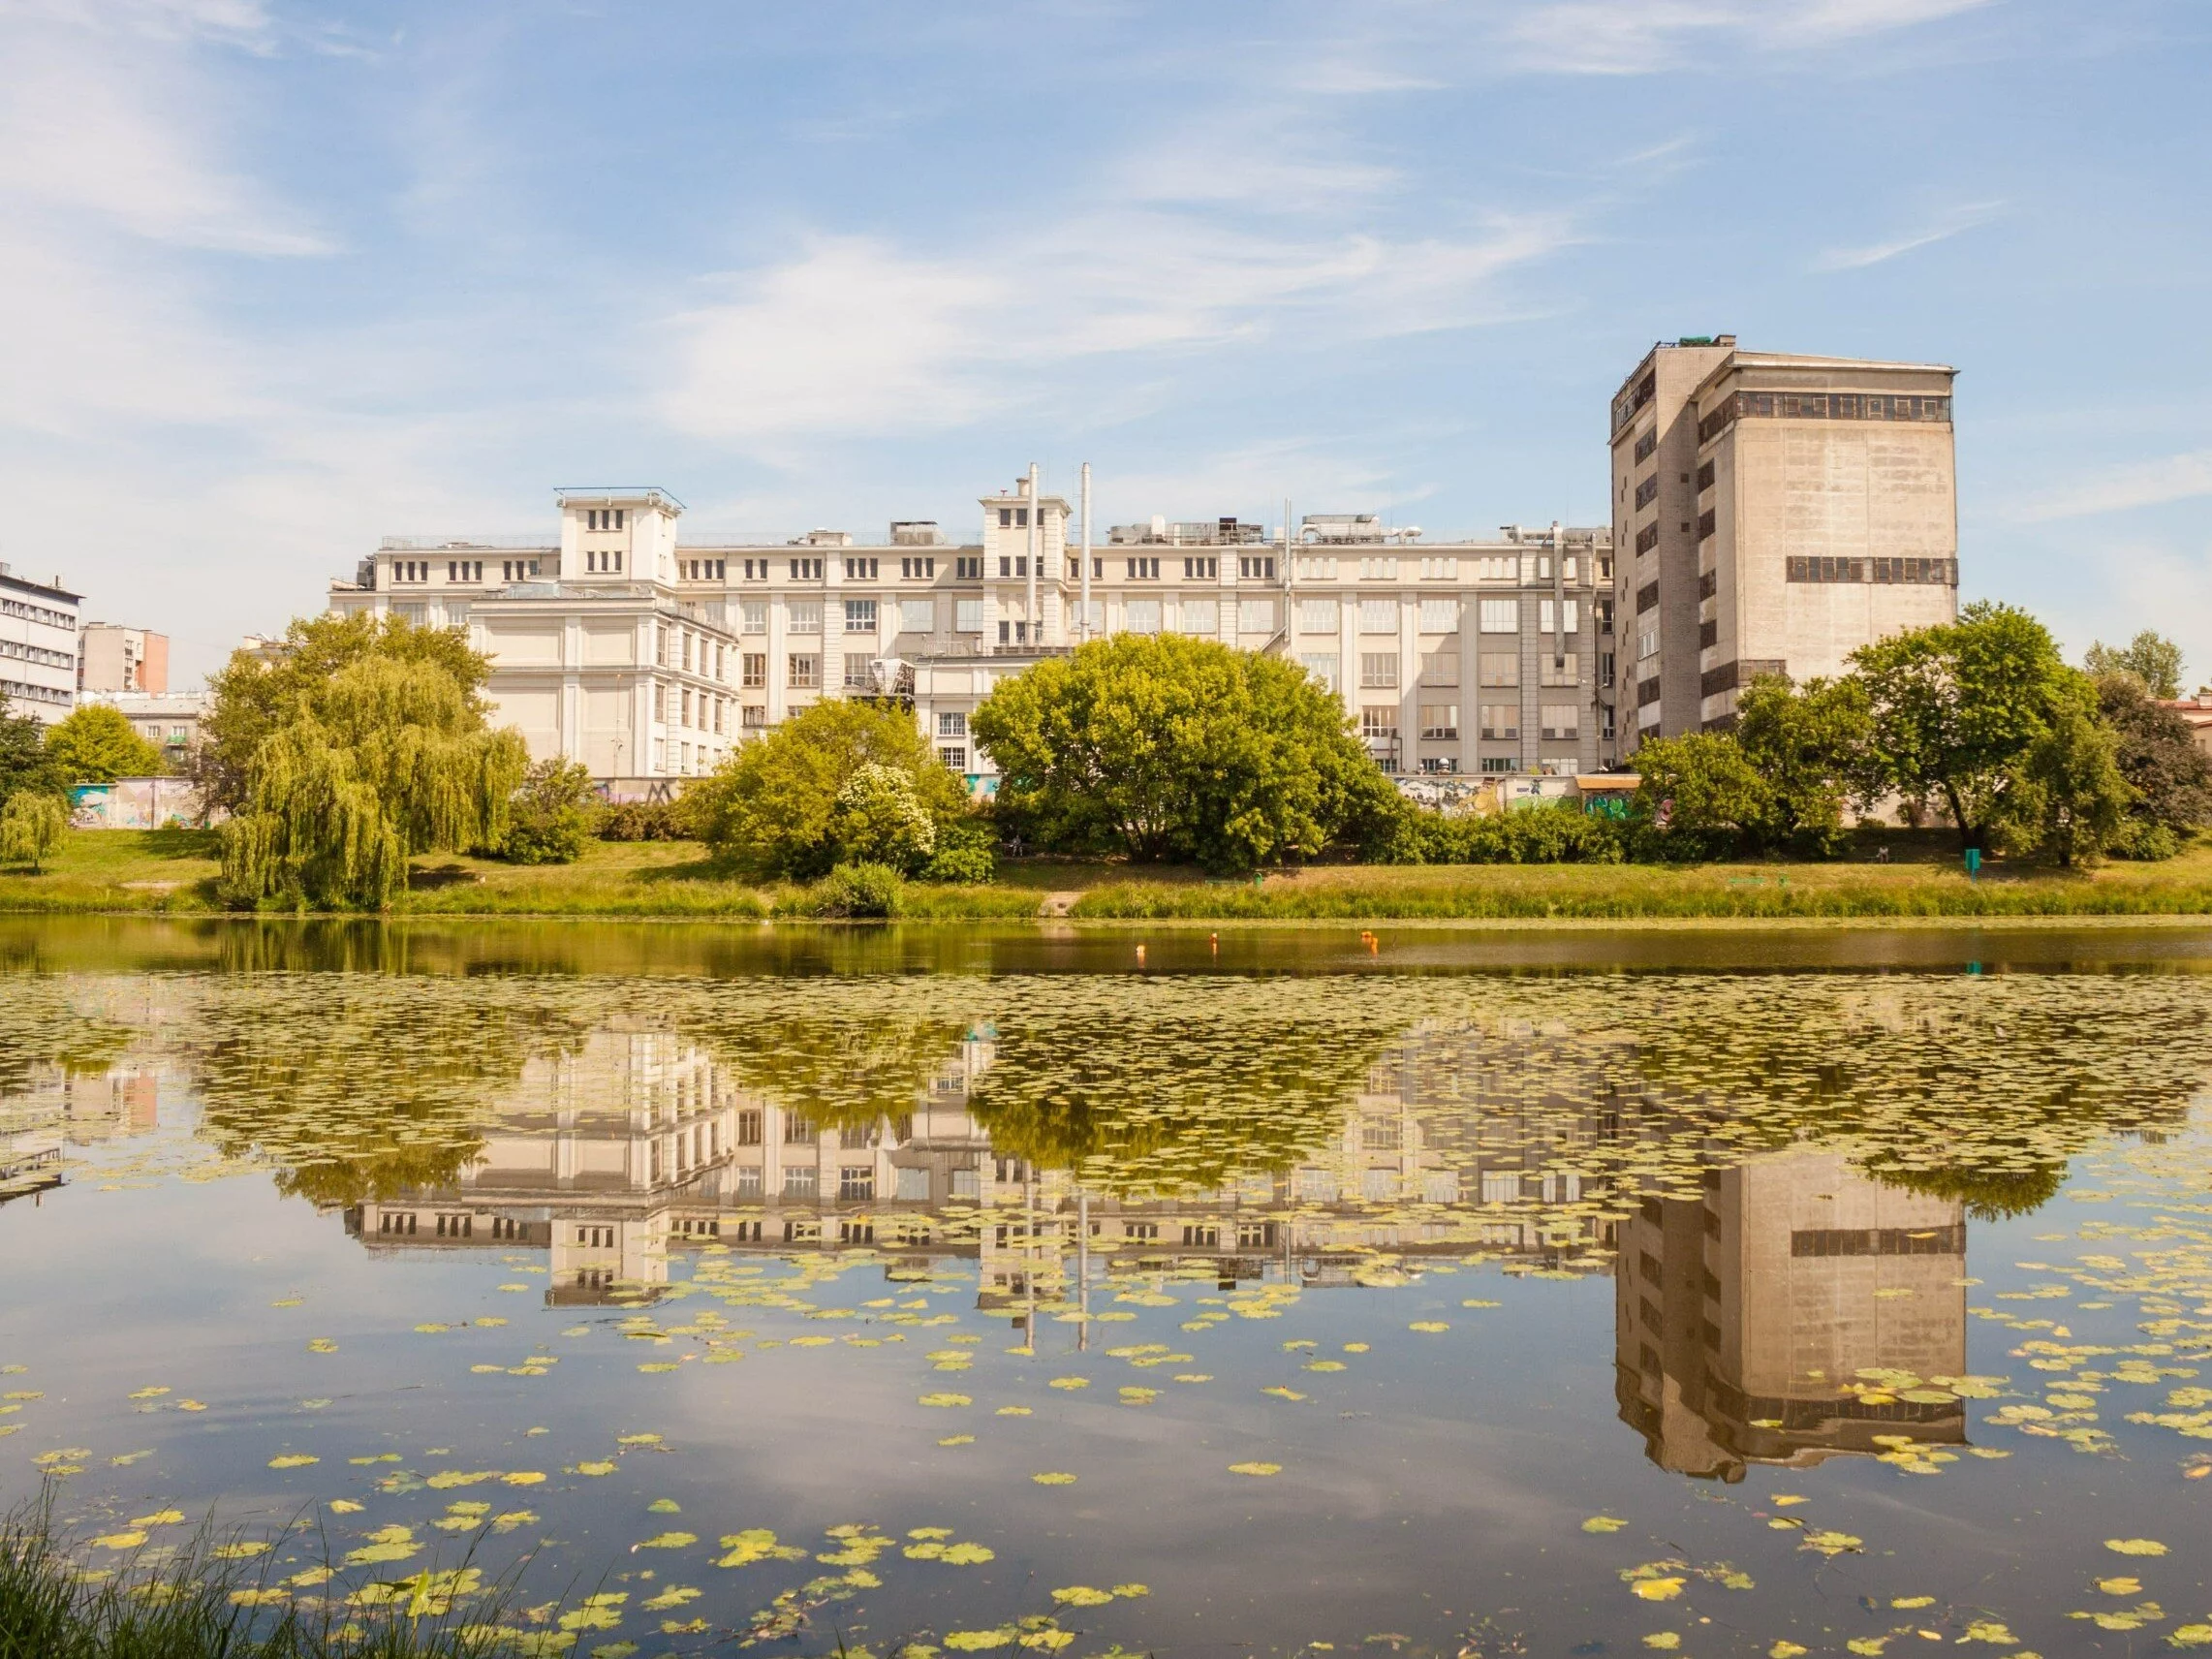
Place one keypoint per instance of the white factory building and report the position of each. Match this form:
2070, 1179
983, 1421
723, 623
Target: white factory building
646, 650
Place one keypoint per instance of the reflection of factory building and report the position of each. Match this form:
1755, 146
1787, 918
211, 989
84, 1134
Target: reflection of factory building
637, 1139
1745, 1322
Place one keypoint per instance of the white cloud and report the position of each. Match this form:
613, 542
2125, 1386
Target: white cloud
2144, 484
111, 126
1632, 37
1942, 228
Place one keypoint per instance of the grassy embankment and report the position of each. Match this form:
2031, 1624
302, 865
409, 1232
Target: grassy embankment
207, 1601
174, 872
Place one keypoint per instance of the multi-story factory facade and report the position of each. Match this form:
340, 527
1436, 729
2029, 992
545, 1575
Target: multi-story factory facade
646, 652
1773, 514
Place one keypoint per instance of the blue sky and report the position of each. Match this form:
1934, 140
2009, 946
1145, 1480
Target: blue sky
282, 278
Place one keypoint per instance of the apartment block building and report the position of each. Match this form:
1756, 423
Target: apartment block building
1774, 513
111, 657
38, 647
646, 650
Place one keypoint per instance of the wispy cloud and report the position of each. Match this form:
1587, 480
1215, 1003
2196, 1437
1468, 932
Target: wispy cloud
2144, 484
1942, 228
1644, 37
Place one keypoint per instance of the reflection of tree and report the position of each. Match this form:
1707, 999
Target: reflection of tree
1167, 1085
359, 1085
840, 1065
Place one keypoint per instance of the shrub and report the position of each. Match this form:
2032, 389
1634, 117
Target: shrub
643, 820
550, 815
1556, 832
859, 892
967, 852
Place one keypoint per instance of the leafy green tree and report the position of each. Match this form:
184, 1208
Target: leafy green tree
967, 850
773, 807
1957, 707
1701, 794
25, 762
2151, 657
256, 693
30, 828
2157, 754
385, 759
1808, 748
2071, 800
550, 818
95, 743
1175, 748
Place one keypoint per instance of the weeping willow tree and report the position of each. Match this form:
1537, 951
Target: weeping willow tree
385, 759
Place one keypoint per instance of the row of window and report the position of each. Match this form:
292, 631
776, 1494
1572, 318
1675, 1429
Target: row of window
1820, 406
24, 691
1500, 722
605, 518
51, 659
602, 561
30, 612
1440, 669
1901, 571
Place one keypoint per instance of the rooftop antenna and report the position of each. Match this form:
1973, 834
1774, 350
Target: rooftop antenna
1036, 546
1083, 627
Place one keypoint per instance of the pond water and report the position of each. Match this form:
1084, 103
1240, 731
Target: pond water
1277, 1292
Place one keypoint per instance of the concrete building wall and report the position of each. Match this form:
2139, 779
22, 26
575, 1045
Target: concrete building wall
1762, 534
116, 658
38, 647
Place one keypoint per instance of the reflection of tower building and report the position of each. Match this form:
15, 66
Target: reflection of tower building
1759, 1325
116, 1105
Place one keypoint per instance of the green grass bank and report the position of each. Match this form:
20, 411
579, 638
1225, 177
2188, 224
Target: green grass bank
173, 873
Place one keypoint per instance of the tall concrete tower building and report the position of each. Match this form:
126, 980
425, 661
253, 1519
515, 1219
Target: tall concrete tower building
1773, 514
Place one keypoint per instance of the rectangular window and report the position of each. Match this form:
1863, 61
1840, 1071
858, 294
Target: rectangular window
1562, 721
1501, 721
1705, 476
1321, 665
1143, 570
858, 676
1705, 524
1255, 568
951, 723
856, 1183
954, 757
1646, 597
806, 570
1378, 570
1647, 645
1440, 721
1256, 617
860, 616
1647, 537
753, 617
1440, 570
969, 569
1500, 615
967, 617
1141, 616
1378, 615
752, 718
1821, 569
1647, 491
754, 670
1560, 669
1378, 722
1199, 617
799, 1180
1378, 670
1497, 567
1568, 615
1441, 668
1500, 764
1647, 443
1201, 570
1498, 668
804, 617
916, 616
1318, 616
1440, 615
805, 672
